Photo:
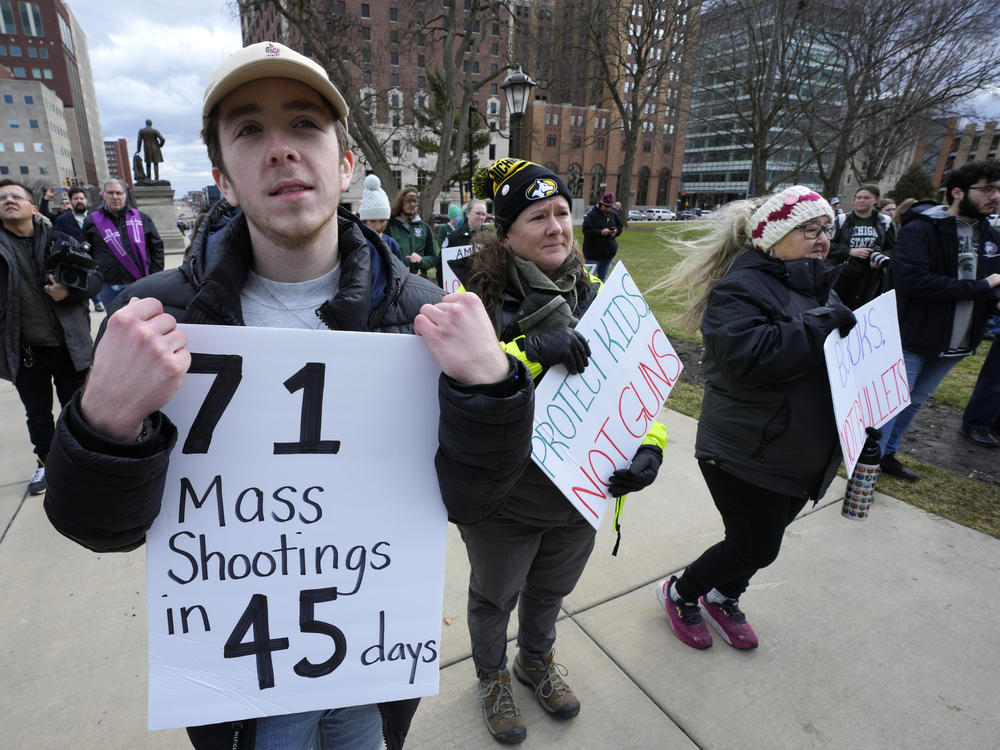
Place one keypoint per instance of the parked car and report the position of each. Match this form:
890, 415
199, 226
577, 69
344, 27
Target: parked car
635, 214
688, 213
660, 214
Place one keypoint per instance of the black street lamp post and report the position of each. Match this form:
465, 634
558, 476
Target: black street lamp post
517, 88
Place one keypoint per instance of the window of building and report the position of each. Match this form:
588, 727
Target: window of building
394, 58
36, 73
33, 124
43, 53
393, 14
39, 148
495, 29
32, 52
366, 55
65, 34
599, 144
7, 18
397, 147
576, 141
421, 82
394, 100
495, 49
4, 169
394, 36
8, 99
394, 79
366, 33
43, 169
397, 176
47, 74
23, 169
420, 61
2, 147
366, 10
395, 121
19, 148
493, 108
493, 67
3, 50
31, 19
13, 123
493, 151
29, 99
550, 139
367, 77
647, 147
15, 50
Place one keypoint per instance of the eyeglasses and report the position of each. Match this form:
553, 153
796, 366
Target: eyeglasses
988, 189
16, 197
813, 231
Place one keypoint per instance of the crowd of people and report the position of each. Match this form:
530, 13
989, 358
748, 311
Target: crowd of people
767, 285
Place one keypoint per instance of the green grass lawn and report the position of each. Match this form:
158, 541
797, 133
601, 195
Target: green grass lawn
646, 250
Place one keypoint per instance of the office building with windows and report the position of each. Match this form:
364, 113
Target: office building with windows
42, 44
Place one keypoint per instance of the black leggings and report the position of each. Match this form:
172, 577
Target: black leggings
755, 520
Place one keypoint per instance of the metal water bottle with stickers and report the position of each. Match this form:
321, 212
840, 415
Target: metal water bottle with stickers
861, 485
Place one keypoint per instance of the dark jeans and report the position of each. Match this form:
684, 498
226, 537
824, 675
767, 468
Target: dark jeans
983, 408
602, 267
34, 386
755, 520
531, 567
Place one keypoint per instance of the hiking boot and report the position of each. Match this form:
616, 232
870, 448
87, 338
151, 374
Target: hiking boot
37, 484
891, 466
503, 720
730, 622
685, 617
546, 677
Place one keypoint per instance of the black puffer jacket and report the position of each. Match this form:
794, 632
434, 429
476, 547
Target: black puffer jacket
767, 414
105, 495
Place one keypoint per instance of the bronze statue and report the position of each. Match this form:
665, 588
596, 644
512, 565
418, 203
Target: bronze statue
150, 141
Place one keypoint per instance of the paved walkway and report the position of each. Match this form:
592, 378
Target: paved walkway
875, 634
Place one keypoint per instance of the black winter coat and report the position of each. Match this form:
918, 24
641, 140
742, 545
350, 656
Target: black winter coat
105, 495
924, 273
111, 269
73, 312
597, 246
767, 414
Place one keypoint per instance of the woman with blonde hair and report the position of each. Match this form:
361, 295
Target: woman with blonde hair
767, 438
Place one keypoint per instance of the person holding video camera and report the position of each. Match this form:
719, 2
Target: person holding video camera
862, 246
46, 278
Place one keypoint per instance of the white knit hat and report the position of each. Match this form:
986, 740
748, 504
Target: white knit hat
374, 201
784, 211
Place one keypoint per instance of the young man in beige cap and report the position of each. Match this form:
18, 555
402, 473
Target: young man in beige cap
274, 126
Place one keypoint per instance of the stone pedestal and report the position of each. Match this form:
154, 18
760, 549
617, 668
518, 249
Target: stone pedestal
158, 202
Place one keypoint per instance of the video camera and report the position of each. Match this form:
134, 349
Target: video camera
70, 264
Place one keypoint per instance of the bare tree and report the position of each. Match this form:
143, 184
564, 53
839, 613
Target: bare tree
633, 45
896, 67
754, 57
451, 34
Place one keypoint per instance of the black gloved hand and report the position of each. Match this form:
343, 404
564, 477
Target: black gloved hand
845, 319
640, 472
563, 346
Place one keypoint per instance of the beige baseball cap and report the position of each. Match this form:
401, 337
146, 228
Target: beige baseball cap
270, 60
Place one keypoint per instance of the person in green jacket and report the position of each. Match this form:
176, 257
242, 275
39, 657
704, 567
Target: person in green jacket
414, 235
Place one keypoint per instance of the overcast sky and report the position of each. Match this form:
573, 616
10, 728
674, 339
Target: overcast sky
151, 60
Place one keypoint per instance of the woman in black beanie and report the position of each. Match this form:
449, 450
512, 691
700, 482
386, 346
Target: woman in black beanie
532, 551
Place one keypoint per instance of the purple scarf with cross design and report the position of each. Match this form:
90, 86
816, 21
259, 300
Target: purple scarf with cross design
136, 236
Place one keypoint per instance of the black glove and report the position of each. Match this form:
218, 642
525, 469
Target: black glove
563, 346
845, 319
640, 472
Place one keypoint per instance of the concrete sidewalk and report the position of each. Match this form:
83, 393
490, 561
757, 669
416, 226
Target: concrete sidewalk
874, 634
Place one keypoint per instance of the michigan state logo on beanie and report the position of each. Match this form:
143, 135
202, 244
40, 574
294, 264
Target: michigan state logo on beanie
542, 187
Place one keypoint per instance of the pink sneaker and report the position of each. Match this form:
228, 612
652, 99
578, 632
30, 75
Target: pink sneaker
730, 622
685, 618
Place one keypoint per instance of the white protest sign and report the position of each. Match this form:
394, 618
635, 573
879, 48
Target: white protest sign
867, 374
590, 424
297, 562
450, 281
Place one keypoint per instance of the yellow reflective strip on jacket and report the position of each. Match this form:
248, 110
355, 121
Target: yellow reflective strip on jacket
657, 436
516, 349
